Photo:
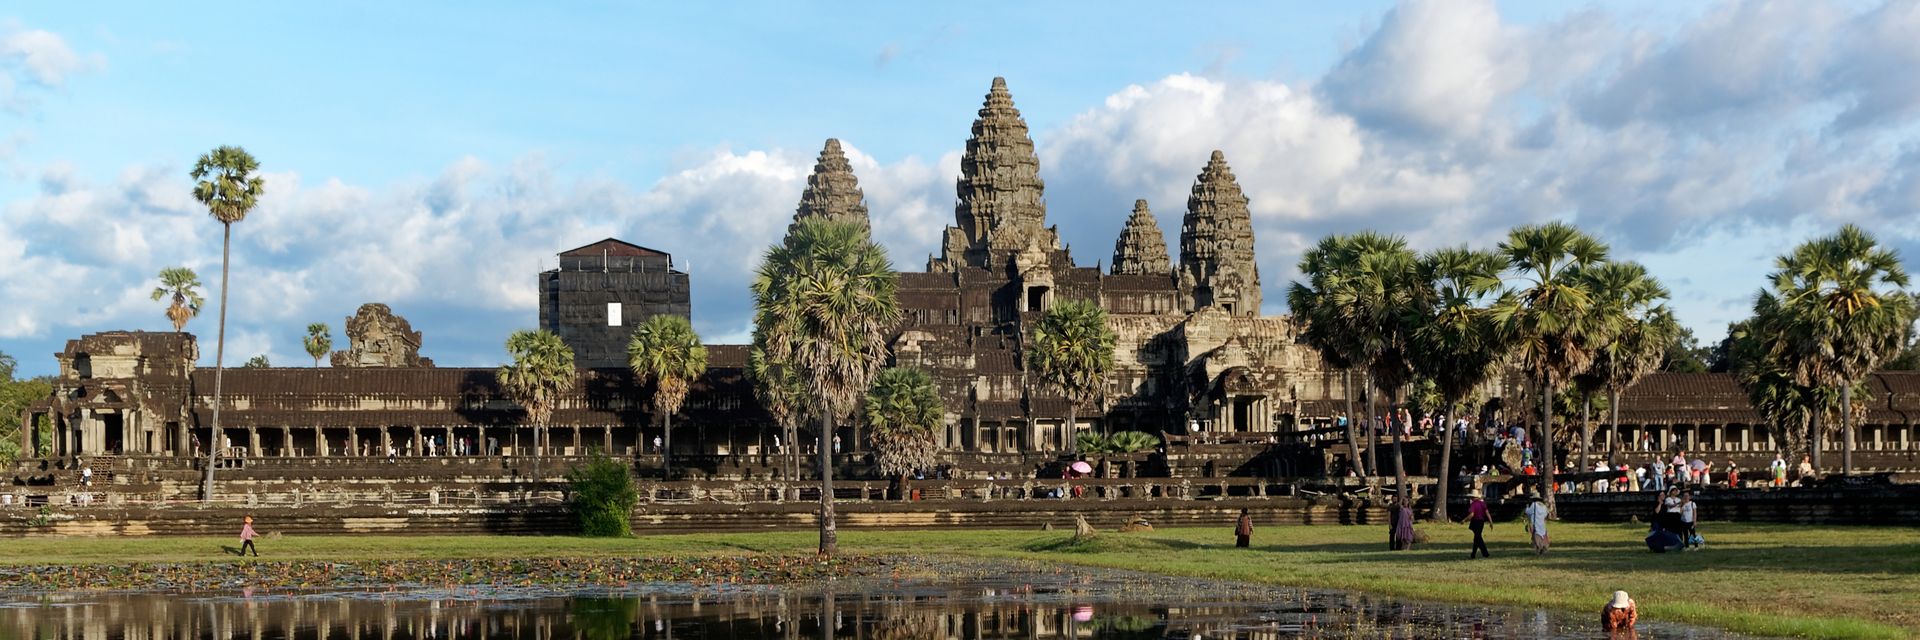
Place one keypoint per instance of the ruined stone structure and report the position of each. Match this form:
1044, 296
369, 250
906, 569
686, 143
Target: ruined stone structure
833, 193
378, 338
1194, 352
1141, 250
1216, 244
602, 291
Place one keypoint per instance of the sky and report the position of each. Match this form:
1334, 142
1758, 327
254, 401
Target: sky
434, 156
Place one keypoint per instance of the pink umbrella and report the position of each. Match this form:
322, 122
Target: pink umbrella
1082, 467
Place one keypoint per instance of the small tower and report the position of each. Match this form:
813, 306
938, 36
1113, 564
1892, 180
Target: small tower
832, 191
1141, 249
1216, 244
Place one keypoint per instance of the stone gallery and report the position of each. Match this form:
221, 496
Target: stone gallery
1196, 360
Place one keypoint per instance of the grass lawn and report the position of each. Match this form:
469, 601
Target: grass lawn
1830, 582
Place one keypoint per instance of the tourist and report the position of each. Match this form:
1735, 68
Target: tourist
1536, 517
1646, 441
1688, 520
86, 477
1779, 470
1659, 475
1733, 474
1243, 530
1401, 525
1600, 484
246, 537
656, 444
1619, 614
836, 444
1806, 471
1679, 466
1478, 519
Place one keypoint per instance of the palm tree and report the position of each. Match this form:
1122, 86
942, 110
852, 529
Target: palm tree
1456, 344
540, 371
824, 300
318, 342
182, 285
1645, 326
1550, 321
1844, 310
780, 393
226, 184
666, 351
1316, 311
257, 362
1072, 350
902, 409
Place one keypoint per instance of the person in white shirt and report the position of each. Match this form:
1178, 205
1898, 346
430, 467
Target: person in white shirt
1779, 470
1600, 486
1536, 515
1687, 518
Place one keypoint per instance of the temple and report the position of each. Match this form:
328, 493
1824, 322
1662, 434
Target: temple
1198, 360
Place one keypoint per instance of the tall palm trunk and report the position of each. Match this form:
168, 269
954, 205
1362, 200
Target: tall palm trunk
219, 365
1544, 462
1366, 389
1353, 434
1613, 423
666, 452
829, 536
1399, 461
1816, 435
1586, 431
1445, 474
1846, 428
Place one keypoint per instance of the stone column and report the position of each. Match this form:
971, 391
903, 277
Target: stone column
1746, 438
253, 442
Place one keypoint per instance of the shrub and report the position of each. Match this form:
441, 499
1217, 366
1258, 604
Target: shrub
603, 497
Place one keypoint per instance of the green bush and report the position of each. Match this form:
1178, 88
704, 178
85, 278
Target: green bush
603, 497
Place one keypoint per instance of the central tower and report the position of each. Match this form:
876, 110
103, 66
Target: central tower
1002, 207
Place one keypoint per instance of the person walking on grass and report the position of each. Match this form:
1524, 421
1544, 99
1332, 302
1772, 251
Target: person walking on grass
1536, 516
1478, 519
1243, 530
246, 538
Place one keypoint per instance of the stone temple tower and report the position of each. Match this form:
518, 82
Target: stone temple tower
1216, 245
1141, 249
1002, 208
832, 191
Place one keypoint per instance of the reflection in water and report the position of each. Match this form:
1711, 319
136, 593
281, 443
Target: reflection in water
895, 611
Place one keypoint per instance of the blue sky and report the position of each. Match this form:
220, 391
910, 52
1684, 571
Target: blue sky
432, 155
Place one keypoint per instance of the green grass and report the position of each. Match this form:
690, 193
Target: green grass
1823, 582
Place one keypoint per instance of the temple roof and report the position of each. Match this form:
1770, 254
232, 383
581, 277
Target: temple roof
832, 190
613, 247
1141, 249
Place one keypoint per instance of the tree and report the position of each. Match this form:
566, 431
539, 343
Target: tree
1633, 302
779, 391
824, 300
903, 407
226, 183
602, 497
666, 352
1790, 409
1550, 320
257, 362
1685, 355
540, 370
1072, 350
1379, 301
15, 395
1843, 310
1456, 344
182, 286
318, 342
1317, 315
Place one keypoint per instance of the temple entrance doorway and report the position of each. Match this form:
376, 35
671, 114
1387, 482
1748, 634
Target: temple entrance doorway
113, 433
1243, 413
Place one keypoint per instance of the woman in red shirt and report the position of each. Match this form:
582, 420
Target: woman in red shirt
1478, 518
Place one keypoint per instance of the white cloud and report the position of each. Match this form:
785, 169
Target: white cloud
37, 57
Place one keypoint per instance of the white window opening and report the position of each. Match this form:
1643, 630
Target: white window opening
613, 314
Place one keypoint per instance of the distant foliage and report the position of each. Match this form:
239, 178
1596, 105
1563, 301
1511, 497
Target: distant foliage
603, 497
1123, 442
257, 362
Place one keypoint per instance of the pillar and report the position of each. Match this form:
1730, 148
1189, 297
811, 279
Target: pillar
1746, 438
253, 442
286, 442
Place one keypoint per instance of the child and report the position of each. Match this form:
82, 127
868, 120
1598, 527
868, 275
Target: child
246, 538
1620, 614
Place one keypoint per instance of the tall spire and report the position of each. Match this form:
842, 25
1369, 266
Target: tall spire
1216, 244
1001, 205
832, 191
1141, 249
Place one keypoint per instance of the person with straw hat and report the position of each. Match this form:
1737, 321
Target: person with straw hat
1619, 614
1478, 518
